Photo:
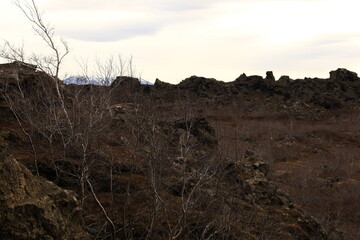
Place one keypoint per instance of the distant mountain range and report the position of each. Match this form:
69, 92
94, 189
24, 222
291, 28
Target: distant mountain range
81, 80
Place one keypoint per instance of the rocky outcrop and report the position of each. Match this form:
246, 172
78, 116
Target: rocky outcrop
204, 87
342, 74
18, 65
128, 82
270, 76
269, 205
320, 95
33, 208
161, 85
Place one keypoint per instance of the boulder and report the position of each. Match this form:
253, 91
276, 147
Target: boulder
284, 79
128, 82
270, 76
200, 128
161, 85
262, 167
34, 208
241, 78
342, 74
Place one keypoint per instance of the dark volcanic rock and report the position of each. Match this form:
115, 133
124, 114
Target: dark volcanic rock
270, 76
342, 74
161, 85
266, 200
19, 66
284, 80
123, 88
200, 128
256, 83
33, 208
128, 82
241, 78
204, 87
327, 101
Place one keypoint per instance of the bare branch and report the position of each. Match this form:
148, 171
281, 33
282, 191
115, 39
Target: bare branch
50, 64
102, 209
11, 52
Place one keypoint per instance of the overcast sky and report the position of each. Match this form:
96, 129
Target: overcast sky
174, 39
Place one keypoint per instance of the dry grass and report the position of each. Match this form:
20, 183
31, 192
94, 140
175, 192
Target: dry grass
316, 162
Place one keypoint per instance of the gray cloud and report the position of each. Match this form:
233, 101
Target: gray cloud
328, 46
162, 5
112, 32
153, 16
104, 21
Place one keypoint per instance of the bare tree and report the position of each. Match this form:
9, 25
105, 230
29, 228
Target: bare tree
73, 117
50, 64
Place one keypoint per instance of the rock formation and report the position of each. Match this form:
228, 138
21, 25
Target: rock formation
34, 208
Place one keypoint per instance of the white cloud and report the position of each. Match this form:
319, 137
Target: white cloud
118, 20
164, 5
172, 39
112, 32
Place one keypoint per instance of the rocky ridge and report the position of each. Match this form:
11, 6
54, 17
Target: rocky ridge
309, 98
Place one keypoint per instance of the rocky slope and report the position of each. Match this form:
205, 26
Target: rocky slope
186, 161
32, 207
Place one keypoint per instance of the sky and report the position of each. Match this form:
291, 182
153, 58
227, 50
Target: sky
175, 39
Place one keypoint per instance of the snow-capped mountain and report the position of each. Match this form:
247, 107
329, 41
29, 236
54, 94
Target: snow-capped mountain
81, 80
144, 82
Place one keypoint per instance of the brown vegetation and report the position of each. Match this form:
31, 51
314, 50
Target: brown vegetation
162, 161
